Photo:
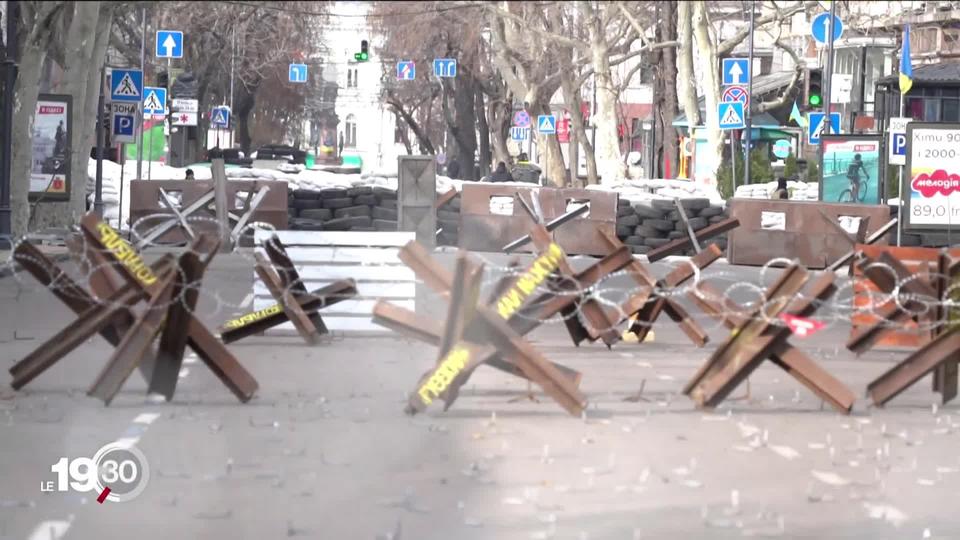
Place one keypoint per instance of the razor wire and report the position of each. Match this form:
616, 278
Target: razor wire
850, 301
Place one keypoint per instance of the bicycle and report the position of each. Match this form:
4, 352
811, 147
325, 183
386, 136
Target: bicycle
847, 195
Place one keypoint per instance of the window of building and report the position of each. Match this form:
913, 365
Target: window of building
350, 132
351, 78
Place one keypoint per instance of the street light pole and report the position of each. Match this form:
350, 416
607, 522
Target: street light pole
9, 70
749, 119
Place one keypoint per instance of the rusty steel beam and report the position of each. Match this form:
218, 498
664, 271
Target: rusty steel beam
135, 344
445, 198
783, 354
259, 321
290, 280
681, 244
286, 299
173, 339
734, 350
717, 387
944, 348
880, 233
429, 331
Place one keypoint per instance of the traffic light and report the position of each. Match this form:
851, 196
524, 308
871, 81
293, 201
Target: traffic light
364, 53
814, 88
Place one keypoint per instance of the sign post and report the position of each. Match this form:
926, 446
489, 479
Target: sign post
933, 166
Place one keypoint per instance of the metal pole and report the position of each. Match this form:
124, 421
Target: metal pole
733, 163
749, 122
98, 189
900, 189
233, 59
169, 143
143, 62
9, 69
827, 126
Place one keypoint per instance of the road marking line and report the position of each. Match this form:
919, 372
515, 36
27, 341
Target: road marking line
146, 418
247, 300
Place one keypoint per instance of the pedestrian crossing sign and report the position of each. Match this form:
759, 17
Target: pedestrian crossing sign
547, 124
126, 85
154, 100
220, 118
731, 115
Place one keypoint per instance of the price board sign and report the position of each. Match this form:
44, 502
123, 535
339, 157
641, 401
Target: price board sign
933, 181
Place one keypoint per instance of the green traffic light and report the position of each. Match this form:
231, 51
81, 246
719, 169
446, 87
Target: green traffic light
364, 56
815, 100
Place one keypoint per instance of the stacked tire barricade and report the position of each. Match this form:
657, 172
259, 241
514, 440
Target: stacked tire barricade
361, 208
646, 225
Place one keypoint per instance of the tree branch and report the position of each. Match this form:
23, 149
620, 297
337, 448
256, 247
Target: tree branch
778, 15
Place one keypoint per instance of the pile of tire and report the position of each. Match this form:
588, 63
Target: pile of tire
448, 221
362, 208
646, 225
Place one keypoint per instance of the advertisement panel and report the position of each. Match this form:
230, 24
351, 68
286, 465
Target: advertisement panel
50, 139
932, 177
850, 169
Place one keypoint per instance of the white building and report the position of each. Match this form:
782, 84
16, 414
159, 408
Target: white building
367, 127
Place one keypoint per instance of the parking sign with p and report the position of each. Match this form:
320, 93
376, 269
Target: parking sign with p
897, 141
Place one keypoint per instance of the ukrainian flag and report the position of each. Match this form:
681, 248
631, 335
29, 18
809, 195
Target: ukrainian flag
906, 69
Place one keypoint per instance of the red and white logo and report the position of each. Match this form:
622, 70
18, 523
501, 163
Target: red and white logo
801, 326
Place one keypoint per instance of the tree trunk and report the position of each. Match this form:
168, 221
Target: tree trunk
572, 99
710, 83
667, 94
244, 106
24, 107
609, 158
484, 132
499, 120
687, 89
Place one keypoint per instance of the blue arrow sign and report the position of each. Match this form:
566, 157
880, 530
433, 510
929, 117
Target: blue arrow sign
736, 71
547, 124
820, 28
445, 67
154, 100
406, 70
126, 85
519, 133
169, 44
298, 73
731, 115
816, 123
220, 117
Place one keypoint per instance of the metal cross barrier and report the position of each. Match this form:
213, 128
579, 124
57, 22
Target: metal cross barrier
645, 310
170, 290
754, 338
293, 302
682, 244
916, 300
510, 316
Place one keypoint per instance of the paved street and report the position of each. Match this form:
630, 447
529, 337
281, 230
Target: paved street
325, 451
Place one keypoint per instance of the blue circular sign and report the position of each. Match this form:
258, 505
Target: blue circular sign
782, 148
822, 25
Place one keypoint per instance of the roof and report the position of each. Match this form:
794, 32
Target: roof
944, 72
762, 84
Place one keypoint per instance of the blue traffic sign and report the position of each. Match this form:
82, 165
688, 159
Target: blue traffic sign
406, 70
445, 67
518, 133
898, 144
736, 71
154, 100
298, 73
126, 85
821, 26
547, 124
782, 148
123, 125
816, 122
731, 115
220, 117
169, 44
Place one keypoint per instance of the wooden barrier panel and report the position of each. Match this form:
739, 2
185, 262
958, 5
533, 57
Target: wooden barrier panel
321, 258
145, 200
807, 231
